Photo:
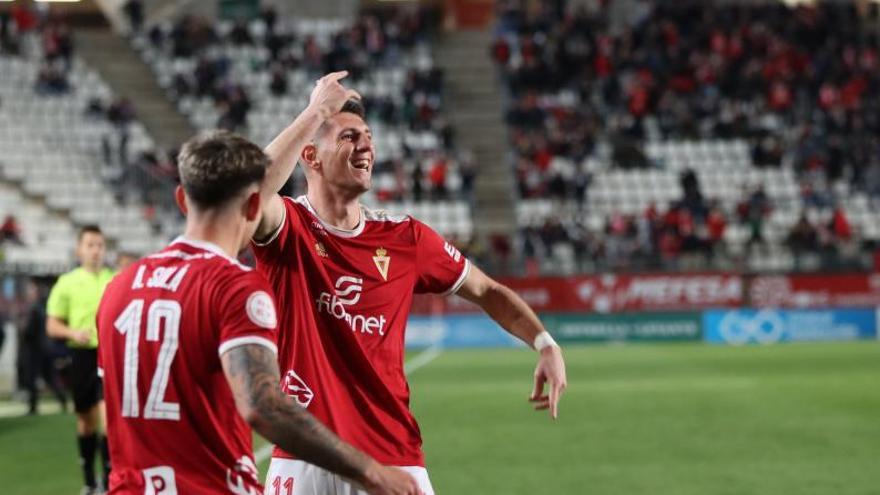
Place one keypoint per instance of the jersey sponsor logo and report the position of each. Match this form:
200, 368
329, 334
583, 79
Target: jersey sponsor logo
242, 479
296, 387
382, 261
348, 293
453, 253
350, 288
261, 310
159, 480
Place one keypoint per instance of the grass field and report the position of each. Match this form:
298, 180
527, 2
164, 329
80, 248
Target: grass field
661, 419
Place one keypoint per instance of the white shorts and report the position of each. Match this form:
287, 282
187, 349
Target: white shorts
294, 477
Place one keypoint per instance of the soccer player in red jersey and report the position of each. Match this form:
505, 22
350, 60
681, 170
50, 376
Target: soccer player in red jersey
188, 350
345, 277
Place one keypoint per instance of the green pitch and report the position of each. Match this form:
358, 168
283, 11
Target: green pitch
662, 419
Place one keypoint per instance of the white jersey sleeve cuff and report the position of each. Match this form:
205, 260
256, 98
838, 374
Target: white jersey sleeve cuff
249, 340
277, 232
461, 278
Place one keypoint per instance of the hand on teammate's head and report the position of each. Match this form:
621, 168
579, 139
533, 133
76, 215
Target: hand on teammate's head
329, 95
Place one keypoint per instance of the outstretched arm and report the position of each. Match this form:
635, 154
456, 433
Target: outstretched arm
513, 314
326, 100
253, 376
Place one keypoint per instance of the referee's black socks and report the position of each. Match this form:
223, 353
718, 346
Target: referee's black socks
88, 444
105, 459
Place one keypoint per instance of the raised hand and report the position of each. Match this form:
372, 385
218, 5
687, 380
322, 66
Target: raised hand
330, 95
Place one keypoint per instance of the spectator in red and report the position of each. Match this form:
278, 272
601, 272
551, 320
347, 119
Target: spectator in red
780, 97
25, 19
840, 225
501, 51
716, 224
10, 231
437, 177
668, 244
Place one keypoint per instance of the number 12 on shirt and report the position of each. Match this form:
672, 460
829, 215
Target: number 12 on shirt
161, 311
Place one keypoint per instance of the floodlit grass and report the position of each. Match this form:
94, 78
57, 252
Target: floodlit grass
659, 419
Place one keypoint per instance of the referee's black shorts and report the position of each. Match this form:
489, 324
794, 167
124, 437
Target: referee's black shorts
84, 380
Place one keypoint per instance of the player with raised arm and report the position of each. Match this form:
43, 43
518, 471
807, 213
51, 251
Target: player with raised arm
345, 277
188, 351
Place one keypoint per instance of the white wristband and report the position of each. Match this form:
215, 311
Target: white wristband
544, 339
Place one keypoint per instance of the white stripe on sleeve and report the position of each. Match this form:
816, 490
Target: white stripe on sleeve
461, 278
248, 340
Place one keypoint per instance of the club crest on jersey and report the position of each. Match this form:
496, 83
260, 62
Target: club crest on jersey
295, 387
321, 250
382, 261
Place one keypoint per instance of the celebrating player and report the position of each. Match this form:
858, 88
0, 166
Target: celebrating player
345, 277
188, 350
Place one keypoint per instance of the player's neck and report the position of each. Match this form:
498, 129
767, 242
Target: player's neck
338, 211
215, 231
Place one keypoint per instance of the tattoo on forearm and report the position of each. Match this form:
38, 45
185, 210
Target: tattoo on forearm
253, 375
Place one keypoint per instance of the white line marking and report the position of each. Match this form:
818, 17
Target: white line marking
421, 359
410, 367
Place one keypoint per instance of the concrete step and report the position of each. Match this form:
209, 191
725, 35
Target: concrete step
473, 91
128, 76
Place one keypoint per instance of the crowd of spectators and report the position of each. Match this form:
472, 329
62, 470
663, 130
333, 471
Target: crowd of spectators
54, 37
586, 85
689, 234
374, 40
801, 83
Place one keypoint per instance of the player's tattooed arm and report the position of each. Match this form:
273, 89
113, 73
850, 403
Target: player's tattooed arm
252, 373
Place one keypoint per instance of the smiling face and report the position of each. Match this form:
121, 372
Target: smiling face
345, 152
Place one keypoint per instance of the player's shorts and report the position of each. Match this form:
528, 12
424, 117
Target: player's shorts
295, 477
84, 380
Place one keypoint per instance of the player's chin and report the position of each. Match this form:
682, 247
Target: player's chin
362, 181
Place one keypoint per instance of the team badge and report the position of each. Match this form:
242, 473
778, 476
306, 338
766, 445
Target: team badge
261, 310
322, 251
382, 261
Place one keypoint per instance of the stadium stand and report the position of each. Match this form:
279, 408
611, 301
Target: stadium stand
83, 175
611, 115
256, 77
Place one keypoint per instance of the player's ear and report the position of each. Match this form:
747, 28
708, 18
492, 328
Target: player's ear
180, 199
309, 156
252, 206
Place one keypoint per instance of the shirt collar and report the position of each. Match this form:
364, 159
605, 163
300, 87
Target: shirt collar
359, 228
204, 245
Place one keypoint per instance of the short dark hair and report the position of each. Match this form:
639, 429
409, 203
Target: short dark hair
355, 107
217, 165
88, 229
350, 106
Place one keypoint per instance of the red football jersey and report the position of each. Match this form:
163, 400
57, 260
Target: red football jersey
344, 298
171, 418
